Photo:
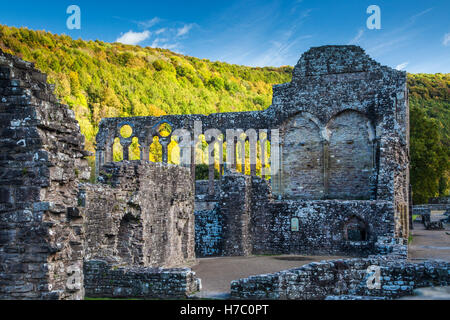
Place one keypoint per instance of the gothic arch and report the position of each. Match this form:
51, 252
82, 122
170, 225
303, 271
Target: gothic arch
302, 158
351, 155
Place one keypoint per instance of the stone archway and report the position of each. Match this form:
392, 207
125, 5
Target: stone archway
350, 159
302, 153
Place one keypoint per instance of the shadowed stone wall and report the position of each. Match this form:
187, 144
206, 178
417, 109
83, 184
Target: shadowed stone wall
257, 223
140, 214
105, 281
42, 160
348, 278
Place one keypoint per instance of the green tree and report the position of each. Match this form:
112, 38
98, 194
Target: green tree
429, 159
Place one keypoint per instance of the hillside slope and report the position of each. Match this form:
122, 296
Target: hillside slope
98, 80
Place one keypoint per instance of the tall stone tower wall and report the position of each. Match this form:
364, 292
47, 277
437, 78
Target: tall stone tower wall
42, 160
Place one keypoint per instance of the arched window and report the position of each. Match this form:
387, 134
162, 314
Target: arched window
356, 230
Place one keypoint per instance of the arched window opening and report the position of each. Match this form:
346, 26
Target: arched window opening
356, 230
155, 150
117, 150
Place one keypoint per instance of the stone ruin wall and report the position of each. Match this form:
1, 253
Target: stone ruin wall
103, 280
140, 214
353, 116
348, 278
344, 129
338, 279
344, 157
252, 221
42, 160
47, 211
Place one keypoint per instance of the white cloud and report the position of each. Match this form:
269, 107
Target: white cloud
357, 37
149, 23
163, 43
446, 40
184, 30
133, 38
159, 31
415, 17
402, 66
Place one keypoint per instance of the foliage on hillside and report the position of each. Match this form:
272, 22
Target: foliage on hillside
98, 80
429, 97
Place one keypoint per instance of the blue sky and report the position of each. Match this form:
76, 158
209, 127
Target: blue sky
414, 35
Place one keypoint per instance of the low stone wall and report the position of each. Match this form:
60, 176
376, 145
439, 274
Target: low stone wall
347, 277
102, 280
316, 281
420, 209
441, 200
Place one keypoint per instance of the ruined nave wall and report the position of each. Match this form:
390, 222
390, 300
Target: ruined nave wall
140, 214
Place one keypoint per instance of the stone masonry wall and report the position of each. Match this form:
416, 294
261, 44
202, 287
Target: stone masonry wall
140, 214
317, 281
348, 131
208, 233
42, 160
256, 223
349, 277
105, 281
208, 221
235, 208
343, 125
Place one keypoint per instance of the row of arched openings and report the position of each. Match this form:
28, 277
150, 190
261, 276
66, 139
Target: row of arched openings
202, 152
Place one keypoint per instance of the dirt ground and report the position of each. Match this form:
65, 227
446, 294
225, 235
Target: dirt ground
217, 273
429, 244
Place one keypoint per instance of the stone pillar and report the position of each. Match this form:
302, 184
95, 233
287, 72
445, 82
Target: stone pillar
253, 156
109, 151
235, 208
243, 155
192, 154
126, 151
211, 160
221, 165
234, 155
276, 161
263, 144
326, 168
165, 141
99, 154
145, 151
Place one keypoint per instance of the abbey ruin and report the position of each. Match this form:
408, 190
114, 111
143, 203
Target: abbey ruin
336, 181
